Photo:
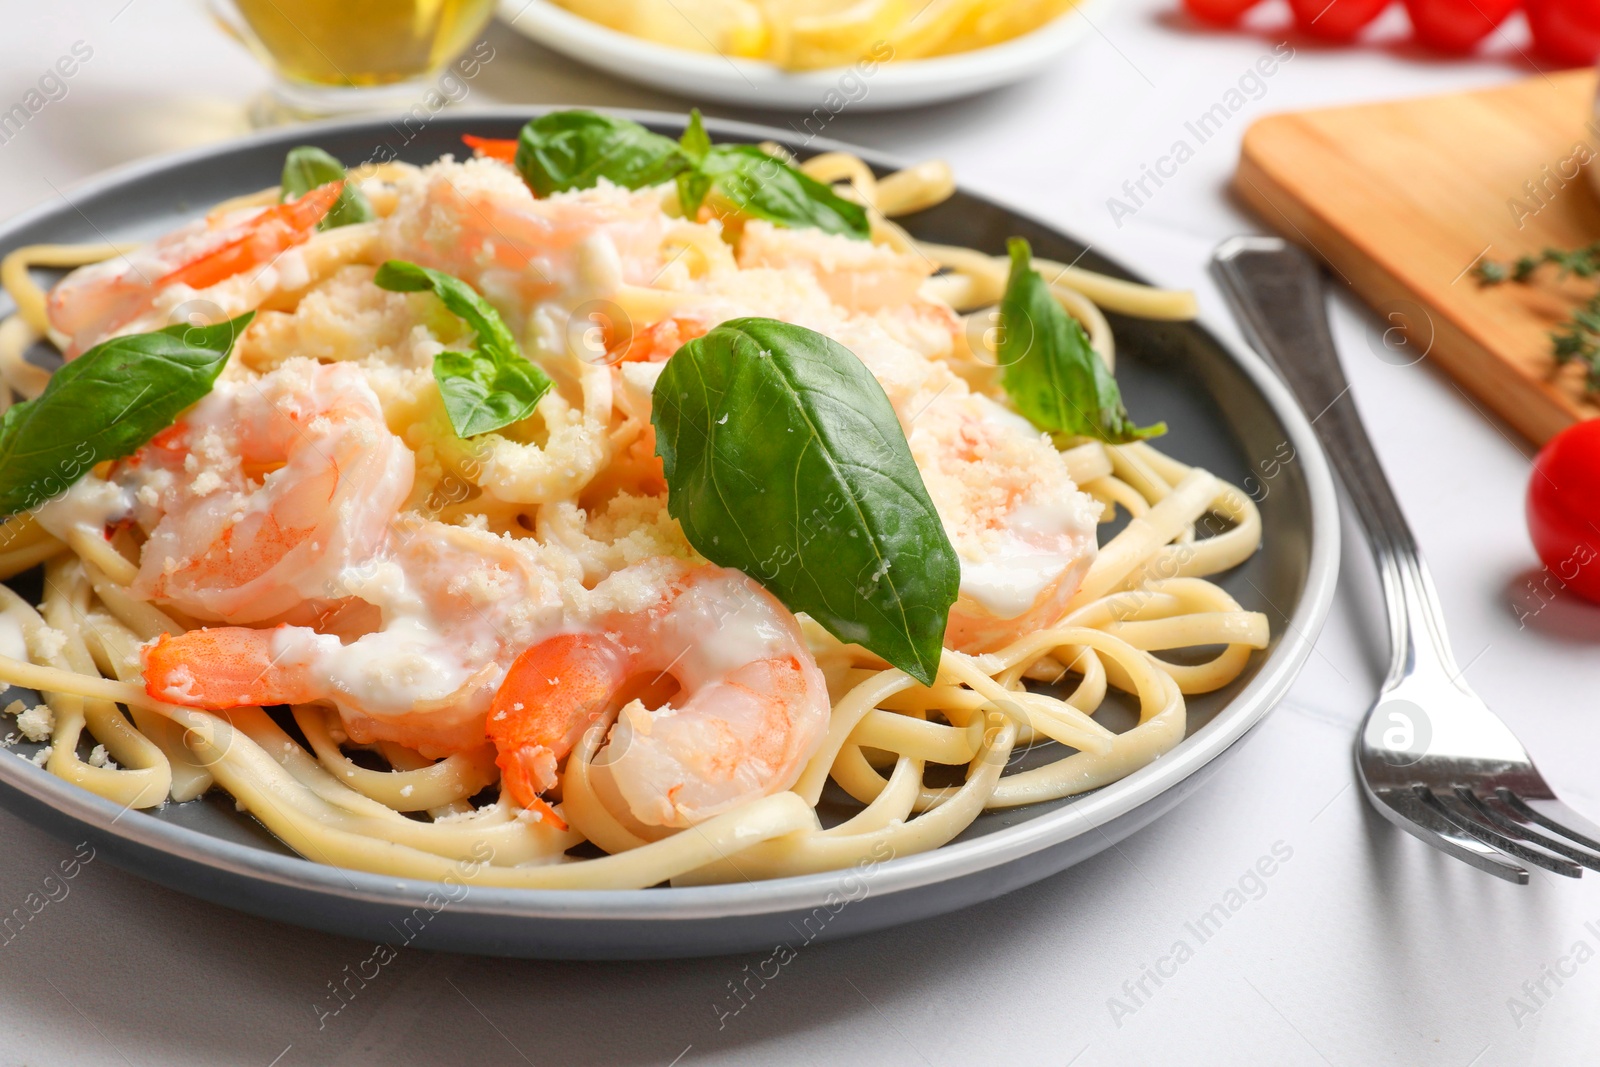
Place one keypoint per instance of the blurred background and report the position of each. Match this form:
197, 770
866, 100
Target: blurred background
162, 74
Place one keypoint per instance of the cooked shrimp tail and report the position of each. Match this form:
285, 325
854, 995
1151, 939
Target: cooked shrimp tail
272, 231
552, 693
222, 667
752, 706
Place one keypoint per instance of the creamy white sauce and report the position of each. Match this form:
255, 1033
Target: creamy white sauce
384, 673
995, 412
1008, 586
723, 640
93, 503
450, 623
1044, 541
12, 643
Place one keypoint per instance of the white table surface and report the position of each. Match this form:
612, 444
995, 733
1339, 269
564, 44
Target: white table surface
1365, 946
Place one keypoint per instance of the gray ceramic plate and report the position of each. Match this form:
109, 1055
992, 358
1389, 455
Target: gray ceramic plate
1226, 412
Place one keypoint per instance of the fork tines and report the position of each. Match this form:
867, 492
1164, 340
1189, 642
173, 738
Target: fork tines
1503, 824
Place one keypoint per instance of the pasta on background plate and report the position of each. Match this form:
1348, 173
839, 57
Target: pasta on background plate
815, 34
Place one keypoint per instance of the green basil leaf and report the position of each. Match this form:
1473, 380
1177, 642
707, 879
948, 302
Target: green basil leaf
490, 387
694, 185
695, 142
693, 188
765, 187
307, 167
400, 276
106, 404
1051, 373
784, 460
482, 393
575, 149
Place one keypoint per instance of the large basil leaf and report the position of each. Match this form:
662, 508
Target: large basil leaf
490, 387
765, 187
784, 460
306, 168
107, 404
575, 149
1051, 373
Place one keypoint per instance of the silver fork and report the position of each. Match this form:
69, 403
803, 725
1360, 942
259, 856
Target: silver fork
1432, 757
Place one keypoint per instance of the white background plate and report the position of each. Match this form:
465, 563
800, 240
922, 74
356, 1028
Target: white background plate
753, 83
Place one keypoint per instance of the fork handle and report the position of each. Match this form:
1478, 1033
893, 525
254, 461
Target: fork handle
1276, 294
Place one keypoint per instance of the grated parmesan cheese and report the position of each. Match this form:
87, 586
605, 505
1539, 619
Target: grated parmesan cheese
48, 642
206, 482
37, 723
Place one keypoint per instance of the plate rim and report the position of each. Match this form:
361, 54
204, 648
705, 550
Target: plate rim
908, 82
1000, 847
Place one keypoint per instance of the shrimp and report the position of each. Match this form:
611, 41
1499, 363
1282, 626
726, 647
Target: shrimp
657, 342
1024, 533
636, 362
502, 149
456, 606
856, 275
479, 221
94, 302
752, 706
265, 492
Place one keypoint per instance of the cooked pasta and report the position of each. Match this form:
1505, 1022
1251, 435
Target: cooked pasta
314, 536
830, 33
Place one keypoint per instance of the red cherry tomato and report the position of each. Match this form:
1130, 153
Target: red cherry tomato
1220, 12
1567, 31
1335, 20
1564, 507
1456, 25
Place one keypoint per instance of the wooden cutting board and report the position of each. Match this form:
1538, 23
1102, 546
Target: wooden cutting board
1400, 199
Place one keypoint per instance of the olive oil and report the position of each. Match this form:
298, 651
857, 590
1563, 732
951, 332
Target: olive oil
361, 42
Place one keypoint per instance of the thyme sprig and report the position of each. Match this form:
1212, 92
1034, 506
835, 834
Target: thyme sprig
1578, 338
